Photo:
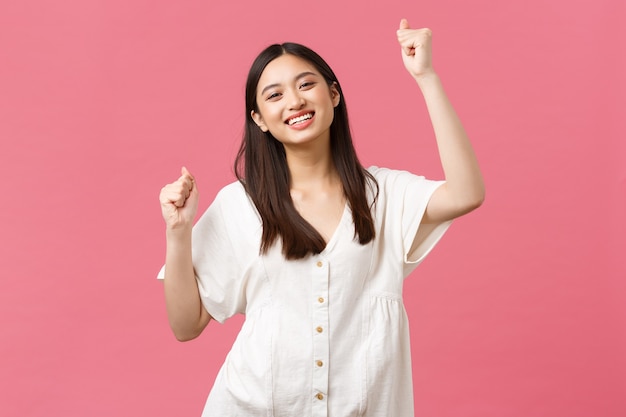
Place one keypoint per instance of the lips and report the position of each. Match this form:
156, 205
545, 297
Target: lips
300, 117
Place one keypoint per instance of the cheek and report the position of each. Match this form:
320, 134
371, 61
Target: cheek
267, 110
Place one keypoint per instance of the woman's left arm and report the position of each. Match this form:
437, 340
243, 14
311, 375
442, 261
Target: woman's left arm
464, 189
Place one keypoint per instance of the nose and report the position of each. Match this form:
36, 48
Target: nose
296, 101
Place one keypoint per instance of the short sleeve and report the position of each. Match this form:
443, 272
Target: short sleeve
403, 198
219, 272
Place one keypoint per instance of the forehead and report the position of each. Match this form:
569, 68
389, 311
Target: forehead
284, 69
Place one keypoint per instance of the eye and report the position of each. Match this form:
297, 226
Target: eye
307, 85
272, 96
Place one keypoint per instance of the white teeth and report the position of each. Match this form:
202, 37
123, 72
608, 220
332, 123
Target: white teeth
299, 119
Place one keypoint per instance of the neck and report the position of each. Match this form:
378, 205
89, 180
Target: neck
311, 166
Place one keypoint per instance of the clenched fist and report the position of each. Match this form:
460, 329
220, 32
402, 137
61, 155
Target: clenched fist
179, 201
416, 49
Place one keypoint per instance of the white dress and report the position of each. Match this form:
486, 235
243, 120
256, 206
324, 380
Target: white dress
323, 336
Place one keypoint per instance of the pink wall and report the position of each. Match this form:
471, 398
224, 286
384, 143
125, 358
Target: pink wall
521, 310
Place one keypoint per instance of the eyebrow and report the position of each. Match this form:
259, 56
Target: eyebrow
297, 77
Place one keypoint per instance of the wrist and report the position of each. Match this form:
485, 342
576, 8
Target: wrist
430, 85
426, 78
178, 233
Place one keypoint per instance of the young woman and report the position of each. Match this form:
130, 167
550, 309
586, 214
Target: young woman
312, 247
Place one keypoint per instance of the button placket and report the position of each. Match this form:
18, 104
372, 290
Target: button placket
321, 335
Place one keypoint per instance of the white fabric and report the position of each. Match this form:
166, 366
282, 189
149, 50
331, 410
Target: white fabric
323, 336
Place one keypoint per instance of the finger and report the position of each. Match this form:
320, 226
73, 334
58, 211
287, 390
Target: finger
407, 45
405, 34
171, 196
179, 196
186, 177
181, 187
185, 173
193, 195
406, 38
403, 30
185, 181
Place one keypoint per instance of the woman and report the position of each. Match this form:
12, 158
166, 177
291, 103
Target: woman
312, 247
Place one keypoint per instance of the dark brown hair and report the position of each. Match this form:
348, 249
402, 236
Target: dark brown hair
266, 176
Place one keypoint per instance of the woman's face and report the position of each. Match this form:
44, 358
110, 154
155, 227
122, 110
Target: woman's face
295, 103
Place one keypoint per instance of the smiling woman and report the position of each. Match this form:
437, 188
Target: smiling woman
297, 96
290, 82
312, 247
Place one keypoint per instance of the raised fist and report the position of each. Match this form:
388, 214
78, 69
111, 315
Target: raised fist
179, 201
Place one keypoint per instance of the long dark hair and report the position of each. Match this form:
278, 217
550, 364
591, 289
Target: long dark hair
266, 176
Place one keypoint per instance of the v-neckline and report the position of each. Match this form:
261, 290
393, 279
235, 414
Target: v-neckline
335, 236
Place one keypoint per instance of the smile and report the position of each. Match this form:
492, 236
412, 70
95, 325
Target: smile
299, 119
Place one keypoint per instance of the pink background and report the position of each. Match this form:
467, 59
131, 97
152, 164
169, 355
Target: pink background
521, 309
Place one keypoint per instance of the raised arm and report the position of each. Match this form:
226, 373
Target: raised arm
179, 205
464, 189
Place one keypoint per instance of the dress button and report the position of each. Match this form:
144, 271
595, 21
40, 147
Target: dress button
319, 329
319, 363
320, 396
319, 264
321, 300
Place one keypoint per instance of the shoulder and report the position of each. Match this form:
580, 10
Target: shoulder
230, 221
230, 208
233, 197
231, 193
400, 185
236, 206
389, 177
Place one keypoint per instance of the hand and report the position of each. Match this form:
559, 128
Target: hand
179, 201
416, 49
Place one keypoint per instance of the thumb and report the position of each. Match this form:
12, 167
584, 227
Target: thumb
194, 189
185, 173
404, 24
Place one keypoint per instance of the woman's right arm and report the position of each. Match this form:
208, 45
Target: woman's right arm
179, 205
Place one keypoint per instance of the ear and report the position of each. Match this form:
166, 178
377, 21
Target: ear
334, 94
258, 120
